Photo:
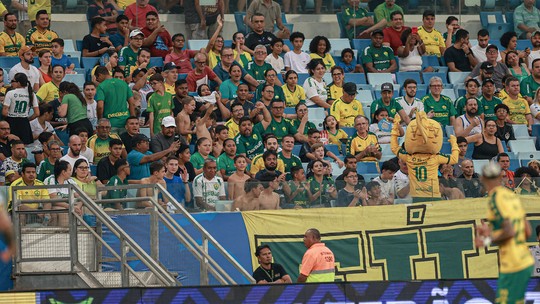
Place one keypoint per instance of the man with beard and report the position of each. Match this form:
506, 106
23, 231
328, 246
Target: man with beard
409, 102
6, 138
530, 84
270, 159
535, 52
471, 91
270, 144
499, 69
99, 142
164, 139
14, 162
268, 272
378, 58
237, 111
488, 99
469, 123
248, 141
132, 129
74, 152
25, 66
250, 200
10, 40
469, 180
479, 50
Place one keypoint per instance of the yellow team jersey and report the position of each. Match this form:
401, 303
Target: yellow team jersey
518, 109
100, 146
346, 112
213, 59
48, 92
2, 8
245, 58
257, 164
125, 3
293, 98
233, 128
11, 44
514, 255
359, 144
30, 194
40, 40
335, 139
169, 88
432, 40
334, 92
36, 5
328, 60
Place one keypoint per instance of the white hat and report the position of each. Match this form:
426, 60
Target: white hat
135, 32
168, 121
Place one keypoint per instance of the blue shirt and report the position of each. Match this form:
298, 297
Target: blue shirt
117, 39
348, 68
64, 61
176, 188
138, 170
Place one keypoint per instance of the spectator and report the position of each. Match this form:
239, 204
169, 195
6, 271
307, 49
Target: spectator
384, 12
242, 95
535, 52
208, 187
106, 167
294, 94
450, 189
223, 69
374, 195
505, 132
286, 155
458, 56
469, 123
123, 170
486, 144
335, 88
432, 38
17, 106
350, 195
157, 173
463, 146
274, 58
470, 181
279, 125
350, 164
535, 107
114, 101
348, 62
509, 42
452, 27
165, 138
520, 113
535, 165
508, 175
46, 166
49, 91
364, 145
471, 91
332, 134
241, 56
480, 49
181, 92
259, 36
238, 179
525, 179
25, 66
232, 124
356, 20
6, 138
321, 187
488, 100
42, 124
157, 38
314, 86
201, 74
120, 38
271, 80
204, 149
385, 180
269, 199
142, 63
10, 41
296, 191
74, 106
159, 104
526, 19
15, 162
132, 129
213, 18
314, 267
137, 11
378, 58
258, 164
499, 69
44, 57
180, 57
28, 178
296, 59
128, 54
185, 125
176, 185
441, 106
249, 200
346, 108
74, 151
272, 13
402, 183
319, 48
105, 10
392, 34
170, 76
225, 161
380, 126
40, 37
517, 68
409, 102
99, 142
248, 141
530, 84
194, 18
85, 151
140, 87
258, 67
389, 103
139, 158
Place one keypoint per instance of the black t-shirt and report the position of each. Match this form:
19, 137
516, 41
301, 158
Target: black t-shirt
505, 133
275, 273
126, 139
340, 182
253, 39
458, 57
5, 148
93, 44
105, 170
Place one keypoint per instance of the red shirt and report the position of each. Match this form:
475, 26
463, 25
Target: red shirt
161, 45
182, 60
138, 14
393, 37
194, 80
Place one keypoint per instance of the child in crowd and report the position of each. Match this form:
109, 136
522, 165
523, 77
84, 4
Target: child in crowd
385, 180
297, 189
462, 145
221, 133
295, 59
58, 56
175, 185
374, 195
332, 134
348, 62
381, 126
204, 147
237, 179
274, 58
225, 161
120, 179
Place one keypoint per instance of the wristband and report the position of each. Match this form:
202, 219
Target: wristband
487, 241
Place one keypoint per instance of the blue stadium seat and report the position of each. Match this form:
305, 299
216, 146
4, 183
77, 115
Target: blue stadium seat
305, 46
356, 78
386, 150
479, 164
333, 148
78, 44
536, 134
197, 44
509, 16
379, 78
522, 44
302, 77
289, 110
182, 76
69, 46
520, 131
93, 170
9, 62
449, 130
522, 145
368, 177
296, 149
364, 96
349, 130
457, 77
514, 164
367, 167
89, 62
528, 156
428, 75
496, 30
402, 76
156, 62
145, 131
78, 79
360, 44
430, 61
339, 44
487, 18
449, 93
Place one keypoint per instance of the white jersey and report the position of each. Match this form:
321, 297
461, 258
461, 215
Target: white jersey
401, 180
387, 188
72, 160
19, 104
417, 103
480, 54
465, 122
209, 190
296, 62
532, 56
314, 88
277, 63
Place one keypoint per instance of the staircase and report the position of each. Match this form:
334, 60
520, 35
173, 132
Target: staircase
93, 251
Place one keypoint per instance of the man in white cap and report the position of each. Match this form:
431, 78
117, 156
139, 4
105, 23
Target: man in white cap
164, 139
128, 54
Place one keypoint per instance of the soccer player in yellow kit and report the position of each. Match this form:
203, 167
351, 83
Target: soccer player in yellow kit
509, 229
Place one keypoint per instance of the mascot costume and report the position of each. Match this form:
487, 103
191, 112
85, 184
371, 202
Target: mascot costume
423, 142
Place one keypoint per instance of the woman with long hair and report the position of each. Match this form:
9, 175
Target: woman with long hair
319, 48
109, 59
321, 186
61, 176
509, 42
17, 105
335, 88
517, 69
294, 94
45, 67
214, 46
410, 53
73, 105
83, 178
242, 54
314, 86
486, 144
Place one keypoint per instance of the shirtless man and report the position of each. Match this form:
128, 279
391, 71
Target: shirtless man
269, 200
157, 172
183, 120
202, 124
237, 179
250, 200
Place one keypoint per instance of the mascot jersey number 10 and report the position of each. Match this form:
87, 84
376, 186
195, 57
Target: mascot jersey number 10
421, 152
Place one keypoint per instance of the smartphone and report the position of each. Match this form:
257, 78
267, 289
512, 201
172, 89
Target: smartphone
414, 30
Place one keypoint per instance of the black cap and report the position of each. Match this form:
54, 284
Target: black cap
138, 138
492, 46
488, 67
428, 13
169, 66
137, 71
488, 80
377, 31
119, 163
387, 86
349, 88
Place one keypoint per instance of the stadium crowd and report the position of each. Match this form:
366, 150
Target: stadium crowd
260, 122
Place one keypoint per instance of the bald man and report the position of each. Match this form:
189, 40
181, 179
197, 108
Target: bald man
318, 261
74, 152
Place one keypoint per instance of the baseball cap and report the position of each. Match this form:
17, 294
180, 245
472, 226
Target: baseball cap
135, 32
349, 88
168, 121
9, 172
488, 80
488, 67
492, 46
25, 49
377, 31
387, 86
536, 33
169, 66
138, 138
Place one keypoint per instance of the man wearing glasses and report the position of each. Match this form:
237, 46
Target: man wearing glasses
99, 142
128, 54
499, 70
440, 107
223, 67
202, 74
258, 67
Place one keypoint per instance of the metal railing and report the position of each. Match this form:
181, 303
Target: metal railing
34, 243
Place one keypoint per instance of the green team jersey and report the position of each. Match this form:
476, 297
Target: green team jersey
528, 86
309, 125
393, 107
380, 57
45, 169
443, 109
280, 129
161, 106
257, 71
76, 109
289, 163
460, 105
350, 13
197, 160
226, 163
127, 58
278, 93
116, 181
250, 145
301, 198
488, 106
315, 186
114, 93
